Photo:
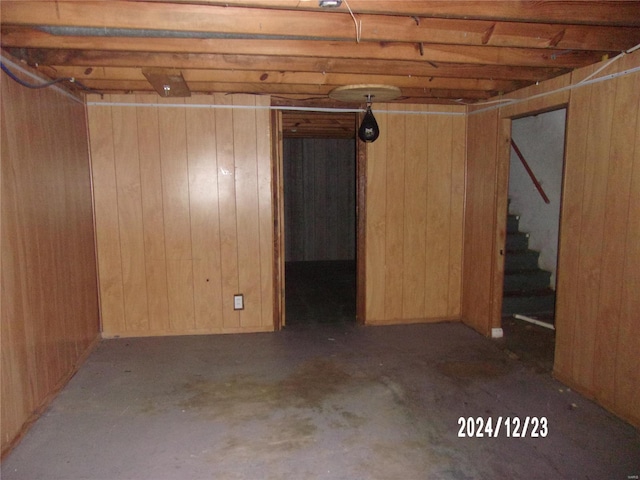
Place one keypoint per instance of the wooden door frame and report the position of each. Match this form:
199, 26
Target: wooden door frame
361, 227
503, 154
277, 182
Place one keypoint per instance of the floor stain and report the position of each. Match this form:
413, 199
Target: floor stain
478, 369
314, 381
244, 396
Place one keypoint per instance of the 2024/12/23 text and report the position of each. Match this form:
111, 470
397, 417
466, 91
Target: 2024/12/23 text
512, 427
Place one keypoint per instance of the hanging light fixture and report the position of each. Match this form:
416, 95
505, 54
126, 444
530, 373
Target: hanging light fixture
369, 130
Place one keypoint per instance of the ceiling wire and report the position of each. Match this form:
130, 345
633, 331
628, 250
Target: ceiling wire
18, 80
357, 23
617, 57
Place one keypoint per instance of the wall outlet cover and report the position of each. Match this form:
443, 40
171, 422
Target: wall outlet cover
238, 302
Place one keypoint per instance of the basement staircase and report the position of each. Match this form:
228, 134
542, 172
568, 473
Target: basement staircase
526, 286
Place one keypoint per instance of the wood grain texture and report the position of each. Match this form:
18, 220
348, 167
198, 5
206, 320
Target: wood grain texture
597, 337
618, 207
193, 190
205, 221
376, 224
480, 220
153, 215
49, 316
394, 209
414, 215
228, 226
597, 349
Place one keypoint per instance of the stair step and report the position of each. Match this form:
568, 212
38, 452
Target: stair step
530, 302
526, 280
521, 260
546, 317
517, 241
513, 223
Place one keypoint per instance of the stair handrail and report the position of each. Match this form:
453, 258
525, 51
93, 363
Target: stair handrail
530, 172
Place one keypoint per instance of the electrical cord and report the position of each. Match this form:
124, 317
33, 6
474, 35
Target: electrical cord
43, 85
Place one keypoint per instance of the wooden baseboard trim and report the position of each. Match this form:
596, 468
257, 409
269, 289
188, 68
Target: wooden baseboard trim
408, 321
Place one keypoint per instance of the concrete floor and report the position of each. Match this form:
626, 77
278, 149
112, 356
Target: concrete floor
322, 400
326, 402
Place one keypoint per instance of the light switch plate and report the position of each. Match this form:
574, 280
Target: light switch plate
238, 302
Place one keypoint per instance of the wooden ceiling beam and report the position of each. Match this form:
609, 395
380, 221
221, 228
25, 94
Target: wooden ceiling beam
318, 25
417, 94
580, 12
102, 58
487, 55
291, 77
295, 100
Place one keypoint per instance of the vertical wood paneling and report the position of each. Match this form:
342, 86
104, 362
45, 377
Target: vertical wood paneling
175, 184
376, 223
590, 245
246, 162
597, 340
617, 207
597, 346
415, 199
456, 245
49, 308
153, 215
128, 187
415, 182
571, 224
105, 196
438, 213
480, 217
627, 374
266, 209
228, 227
191, 188
204, 210
394, 240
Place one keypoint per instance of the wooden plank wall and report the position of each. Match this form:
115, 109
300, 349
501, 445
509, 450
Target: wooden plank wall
597, 328
184, 215
414, 201
488, 153
480, 220
49, 319
598, 332
319, 199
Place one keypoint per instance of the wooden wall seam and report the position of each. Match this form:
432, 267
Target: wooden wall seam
49, 318
597, 347
192, 195
413, 178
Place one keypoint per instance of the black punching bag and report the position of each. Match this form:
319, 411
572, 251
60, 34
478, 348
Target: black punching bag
368, 131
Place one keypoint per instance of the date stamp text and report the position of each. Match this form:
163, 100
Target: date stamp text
511, 427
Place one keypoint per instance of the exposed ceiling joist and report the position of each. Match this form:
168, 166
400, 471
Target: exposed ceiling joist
580, 12
316, 25
434, 51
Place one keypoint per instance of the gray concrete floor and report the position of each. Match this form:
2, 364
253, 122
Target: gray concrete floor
317, 401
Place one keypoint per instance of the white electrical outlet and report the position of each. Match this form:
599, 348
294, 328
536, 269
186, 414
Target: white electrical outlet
238, 302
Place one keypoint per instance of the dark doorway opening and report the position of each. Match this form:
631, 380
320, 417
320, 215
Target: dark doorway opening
533, 224
319, 179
